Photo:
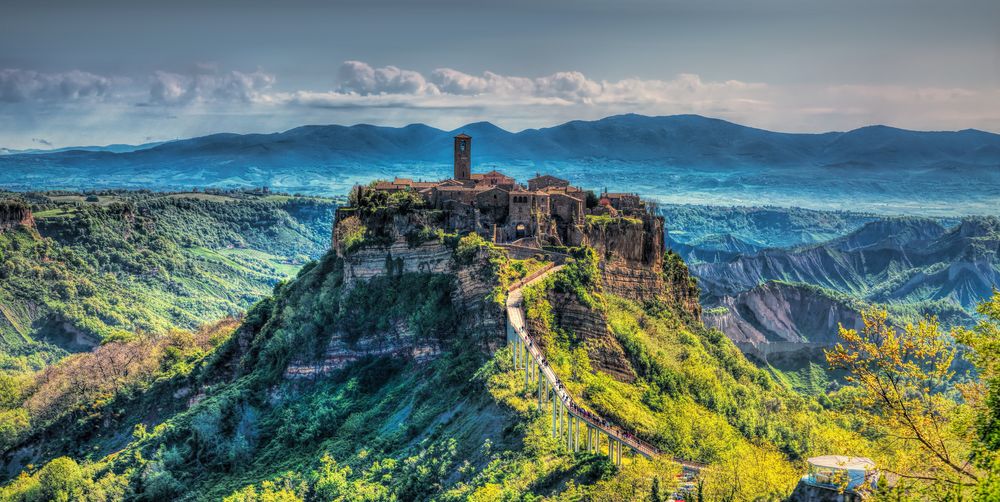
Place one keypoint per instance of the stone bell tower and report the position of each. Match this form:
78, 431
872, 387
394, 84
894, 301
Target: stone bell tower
463, 157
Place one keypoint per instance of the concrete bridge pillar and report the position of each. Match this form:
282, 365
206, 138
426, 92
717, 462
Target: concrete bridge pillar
540, 384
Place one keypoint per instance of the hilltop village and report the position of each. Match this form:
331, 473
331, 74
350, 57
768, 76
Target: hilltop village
546, 211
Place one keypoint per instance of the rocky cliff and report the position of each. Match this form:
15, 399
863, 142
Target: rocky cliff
635, 264
390, 249
15, 214
631, 253
590, 328
780, 312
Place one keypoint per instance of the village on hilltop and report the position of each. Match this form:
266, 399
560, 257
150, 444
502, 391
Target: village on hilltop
548, 211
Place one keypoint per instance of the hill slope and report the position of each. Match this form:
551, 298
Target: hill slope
903, 260
77, 272
380, 372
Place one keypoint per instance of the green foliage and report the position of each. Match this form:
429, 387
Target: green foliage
696, 396
63, 480
367, 200
581, 276
143, 262
984, 396
604, 220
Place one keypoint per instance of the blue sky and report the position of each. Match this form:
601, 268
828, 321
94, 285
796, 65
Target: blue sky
100, 72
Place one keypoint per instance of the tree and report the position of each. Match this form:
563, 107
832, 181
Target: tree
655, 495
61, 480
984, 395
903, 391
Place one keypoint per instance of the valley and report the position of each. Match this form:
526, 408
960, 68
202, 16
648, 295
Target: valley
216, 344
82, 270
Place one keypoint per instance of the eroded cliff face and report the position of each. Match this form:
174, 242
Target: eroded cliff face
395, 251
778, 312
590, 327
635, 264
631, 253
14, 214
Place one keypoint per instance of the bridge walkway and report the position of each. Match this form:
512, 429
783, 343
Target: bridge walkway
579, 429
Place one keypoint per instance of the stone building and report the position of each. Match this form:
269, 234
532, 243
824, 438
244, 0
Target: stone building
548, 211
542, 181
622, 201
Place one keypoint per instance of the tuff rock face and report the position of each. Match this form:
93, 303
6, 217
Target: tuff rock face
393, 253
778, 312
591, 328
634, 263
14, 214
631, 253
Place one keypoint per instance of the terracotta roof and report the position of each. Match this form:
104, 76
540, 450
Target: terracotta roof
613, 195
575, 196
463, 135
547, 176
564, 189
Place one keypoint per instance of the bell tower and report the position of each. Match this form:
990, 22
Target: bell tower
463, 157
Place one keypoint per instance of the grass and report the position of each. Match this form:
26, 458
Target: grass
603, 220
62, 212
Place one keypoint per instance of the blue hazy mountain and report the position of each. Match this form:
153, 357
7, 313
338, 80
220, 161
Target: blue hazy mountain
114, 148
670, 158
685, 139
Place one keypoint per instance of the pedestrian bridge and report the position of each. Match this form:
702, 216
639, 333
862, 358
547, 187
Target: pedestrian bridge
577, 428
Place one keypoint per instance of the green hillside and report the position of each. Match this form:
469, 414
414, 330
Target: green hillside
460, 426
130, 262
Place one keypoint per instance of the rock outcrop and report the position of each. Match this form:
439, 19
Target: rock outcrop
780, 312
590, 327
391, 249
635, 264
400, 341
631, 253
15, 214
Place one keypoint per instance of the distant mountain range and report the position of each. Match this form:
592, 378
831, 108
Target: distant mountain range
113, 148
682, 139
681, 158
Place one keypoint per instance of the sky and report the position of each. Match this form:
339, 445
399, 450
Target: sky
101, 72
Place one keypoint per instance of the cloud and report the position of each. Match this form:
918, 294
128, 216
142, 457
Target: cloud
361, 78
76, 107
208, 84
41, 141
361, 81
19, 86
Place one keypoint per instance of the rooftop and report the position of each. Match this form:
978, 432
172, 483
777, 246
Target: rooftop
842, 462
